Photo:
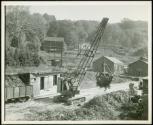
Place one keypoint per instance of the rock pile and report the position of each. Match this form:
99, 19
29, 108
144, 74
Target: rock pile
13, 81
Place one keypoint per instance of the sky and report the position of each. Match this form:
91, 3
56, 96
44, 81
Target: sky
115, 12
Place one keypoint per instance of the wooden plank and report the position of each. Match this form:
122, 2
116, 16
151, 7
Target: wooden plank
9, 92
67, 86
28, 91
16, 92
5, 94
22, 91
59, 85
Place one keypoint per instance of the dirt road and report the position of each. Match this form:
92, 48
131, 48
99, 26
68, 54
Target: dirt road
18, 111
92, 92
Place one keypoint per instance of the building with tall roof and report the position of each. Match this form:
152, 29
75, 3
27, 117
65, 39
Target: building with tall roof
139, 67
108, 64
53, 44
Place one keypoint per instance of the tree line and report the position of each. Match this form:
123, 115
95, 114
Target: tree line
25, 33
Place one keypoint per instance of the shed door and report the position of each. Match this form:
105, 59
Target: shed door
41, 83
55, 80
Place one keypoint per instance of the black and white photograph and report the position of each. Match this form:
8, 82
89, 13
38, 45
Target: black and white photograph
76, 62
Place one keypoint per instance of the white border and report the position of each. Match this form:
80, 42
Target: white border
80, 3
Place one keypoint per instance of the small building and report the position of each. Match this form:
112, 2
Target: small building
53, 44
39, 82
108, 64
139, 67
44, 83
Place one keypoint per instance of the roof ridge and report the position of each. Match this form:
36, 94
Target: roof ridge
114, 59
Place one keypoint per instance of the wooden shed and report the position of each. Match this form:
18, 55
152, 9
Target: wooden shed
108, 64
44, 83
53, 44
138, 68
32, 83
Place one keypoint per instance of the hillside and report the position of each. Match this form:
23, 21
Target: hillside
25, 36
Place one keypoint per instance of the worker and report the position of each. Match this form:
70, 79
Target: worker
141, 85
132, 91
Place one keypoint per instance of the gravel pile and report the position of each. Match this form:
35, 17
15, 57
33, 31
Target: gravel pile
13, 81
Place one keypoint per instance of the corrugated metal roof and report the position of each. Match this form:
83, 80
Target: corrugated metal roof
114, 60
57, 39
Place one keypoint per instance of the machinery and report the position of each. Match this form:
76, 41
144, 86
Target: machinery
143, 85
104, 78
136, 94
71, 81
139, 97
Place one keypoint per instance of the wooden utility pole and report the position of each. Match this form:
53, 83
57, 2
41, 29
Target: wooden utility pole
61, 55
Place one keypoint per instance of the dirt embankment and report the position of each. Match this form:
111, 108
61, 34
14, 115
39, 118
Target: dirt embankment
106, 107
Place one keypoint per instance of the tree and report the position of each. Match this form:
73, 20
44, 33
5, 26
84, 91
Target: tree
127, 23
137, 39
49, 18
15, 19
53, 29
25, 33
9, 59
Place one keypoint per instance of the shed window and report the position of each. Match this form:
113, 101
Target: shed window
41, 83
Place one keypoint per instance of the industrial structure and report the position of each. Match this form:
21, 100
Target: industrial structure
71, 81
109, 65
55, 46
139, 67
53, 80
31, 84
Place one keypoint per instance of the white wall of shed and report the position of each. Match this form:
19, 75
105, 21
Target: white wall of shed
35, 81
48, 83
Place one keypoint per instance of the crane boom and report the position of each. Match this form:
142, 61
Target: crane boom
90, 53
73, 81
